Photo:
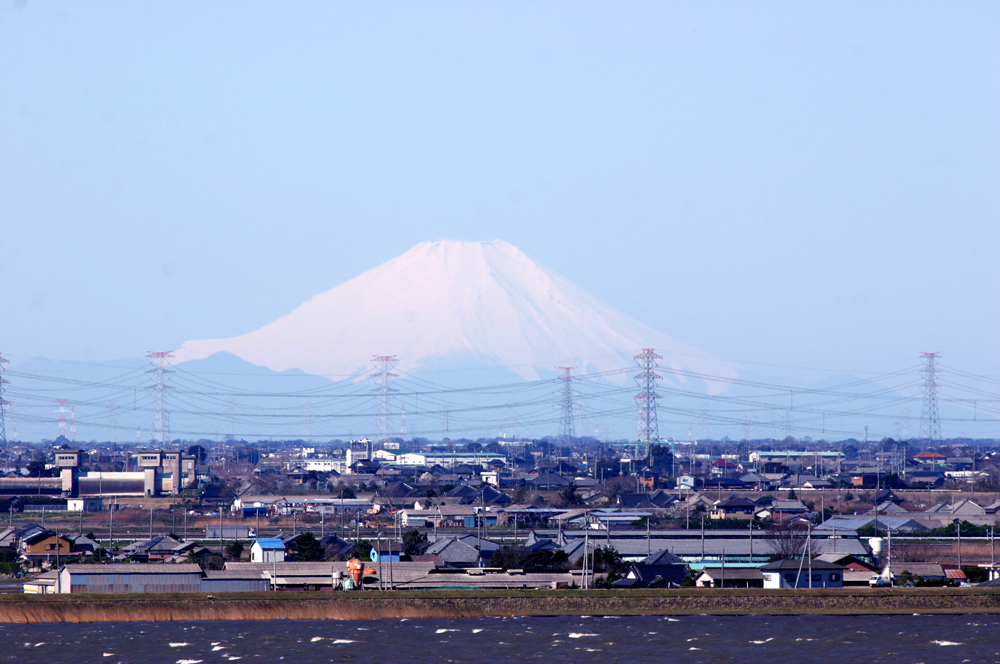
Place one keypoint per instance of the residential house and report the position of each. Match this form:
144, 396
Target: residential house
463, 551
789, 573
733, 508
335, 546
85, 545
550, 481
887, 495
384, 551
924, 478
963, 508
661, 569
45, 545
931, 458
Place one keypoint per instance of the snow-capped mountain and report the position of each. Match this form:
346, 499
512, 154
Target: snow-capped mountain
483, 303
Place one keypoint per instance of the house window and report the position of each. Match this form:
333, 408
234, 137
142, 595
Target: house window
817, 577
790, 578
834, 576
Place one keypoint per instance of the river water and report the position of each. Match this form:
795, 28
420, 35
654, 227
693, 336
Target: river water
681, 639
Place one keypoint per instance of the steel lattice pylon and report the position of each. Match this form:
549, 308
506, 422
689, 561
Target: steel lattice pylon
3, 403
383, 392
647, 380
567, 428
161, 417
930, 422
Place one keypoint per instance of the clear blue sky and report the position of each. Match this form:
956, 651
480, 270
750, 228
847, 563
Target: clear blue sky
807, 184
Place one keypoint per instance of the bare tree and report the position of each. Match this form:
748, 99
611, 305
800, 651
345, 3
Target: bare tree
786, 541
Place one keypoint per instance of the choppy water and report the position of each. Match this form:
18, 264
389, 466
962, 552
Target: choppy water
685, 639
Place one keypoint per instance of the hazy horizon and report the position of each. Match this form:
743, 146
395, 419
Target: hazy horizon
803, 191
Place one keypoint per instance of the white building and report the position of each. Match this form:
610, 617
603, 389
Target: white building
84, 505
267, 550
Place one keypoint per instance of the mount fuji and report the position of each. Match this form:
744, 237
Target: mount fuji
457, 303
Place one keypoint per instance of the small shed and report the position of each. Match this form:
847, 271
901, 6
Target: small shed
267, 550
730, 577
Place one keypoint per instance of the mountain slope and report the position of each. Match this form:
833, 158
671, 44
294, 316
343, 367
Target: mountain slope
486, 303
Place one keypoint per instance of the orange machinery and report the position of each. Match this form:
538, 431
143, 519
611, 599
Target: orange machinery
357, 570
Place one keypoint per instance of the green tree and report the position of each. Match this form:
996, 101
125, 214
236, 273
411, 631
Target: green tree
510, 557
521, 557
974, 573
307, 548
362, 550
199, 452
607, 559
211, 562
414, 542
568, 494
234, 551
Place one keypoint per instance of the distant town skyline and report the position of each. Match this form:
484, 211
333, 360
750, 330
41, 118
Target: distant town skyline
784, 186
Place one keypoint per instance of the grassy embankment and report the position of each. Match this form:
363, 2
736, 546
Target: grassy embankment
459, 604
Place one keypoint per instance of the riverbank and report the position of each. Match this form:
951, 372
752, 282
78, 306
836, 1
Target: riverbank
468, 604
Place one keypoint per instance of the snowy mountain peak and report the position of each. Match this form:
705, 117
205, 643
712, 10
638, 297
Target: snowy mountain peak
474, 303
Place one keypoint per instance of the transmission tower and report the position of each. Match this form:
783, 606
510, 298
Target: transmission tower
230, 420
61, 417
161, 418
508, 430
647, 380
72, 423
307, 417
383, 392
567, 429
4, 403
402, 424
930, 423
113, 419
